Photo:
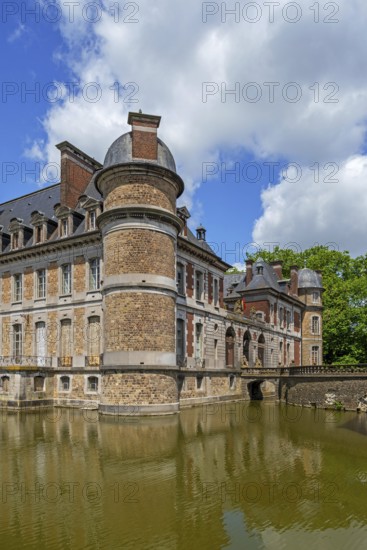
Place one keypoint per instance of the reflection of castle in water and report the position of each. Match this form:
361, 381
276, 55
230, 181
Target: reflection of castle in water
169, 482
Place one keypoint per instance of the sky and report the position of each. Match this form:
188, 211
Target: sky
263, 106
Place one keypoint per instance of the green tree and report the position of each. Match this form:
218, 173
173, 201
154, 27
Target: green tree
345, 298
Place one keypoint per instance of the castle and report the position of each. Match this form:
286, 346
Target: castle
109, 300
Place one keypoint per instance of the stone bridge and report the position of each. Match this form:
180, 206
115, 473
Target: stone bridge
340, 387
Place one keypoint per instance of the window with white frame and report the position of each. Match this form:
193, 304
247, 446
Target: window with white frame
315, 325
94, 274
315, 297
199, 285
17, 340
17, 287
66, 279
41, 283
315, 355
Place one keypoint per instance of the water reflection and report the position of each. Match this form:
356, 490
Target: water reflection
244, 475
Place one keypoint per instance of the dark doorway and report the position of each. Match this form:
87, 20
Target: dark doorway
254, 390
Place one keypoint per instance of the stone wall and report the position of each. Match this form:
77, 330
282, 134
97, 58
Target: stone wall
330, 392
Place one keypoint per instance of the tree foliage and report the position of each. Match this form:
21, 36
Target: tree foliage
344, 298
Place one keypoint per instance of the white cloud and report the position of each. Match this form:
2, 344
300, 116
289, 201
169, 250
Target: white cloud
307, 213
170, 53
17, 33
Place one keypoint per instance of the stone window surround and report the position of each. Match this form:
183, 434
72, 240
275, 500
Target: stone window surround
17, 291
59, 383
86, 384
315, 320
62, 280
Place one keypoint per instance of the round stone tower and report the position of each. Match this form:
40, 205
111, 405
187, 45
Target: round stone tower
139, 228
310, 293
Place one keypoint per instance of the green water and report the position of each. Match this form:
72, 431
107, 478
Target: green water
245, 475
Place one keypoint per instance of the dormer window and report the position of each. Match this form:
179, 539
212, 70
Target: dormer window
38, 234
92, 220
15, 240
64, 227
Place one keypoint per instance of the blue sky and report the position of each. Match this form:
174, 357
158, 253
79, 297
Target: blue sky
252, 92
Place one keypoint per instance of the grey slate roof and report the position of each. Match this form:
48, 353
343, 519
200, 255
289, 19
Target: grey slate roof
43, 200
307, 278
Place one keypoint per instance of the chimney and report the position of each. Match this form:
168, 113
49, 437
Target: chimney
144, 135
277, 265
249, 264
77, 169
294, 280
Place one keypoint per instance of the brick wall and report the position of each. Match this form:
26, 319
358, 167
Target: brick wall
139, 251
138, 389
132, 190
6, 288
137, 321
79, 273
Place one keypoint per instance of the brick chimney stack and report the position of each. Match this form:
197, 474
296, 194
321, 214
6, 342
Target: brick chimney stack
277, 265
249, 264
144, 135
294, 280
77, 169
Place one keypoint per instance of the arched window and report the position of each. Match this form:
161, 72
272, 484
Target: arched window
261, 349
230, 341
246, 345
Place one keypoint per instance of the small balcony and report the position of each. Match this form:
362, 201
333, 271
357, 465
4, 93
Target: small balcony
94, 360
24, 361
65, 362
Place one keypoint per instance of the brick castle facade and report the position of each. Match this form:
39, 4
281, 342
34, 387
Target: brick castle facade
109, 300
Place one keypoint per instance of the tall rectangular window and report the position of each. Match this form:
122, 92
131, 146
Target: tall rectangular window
315, 297
17, 287
199, 285
92, 219
180, 338
17, 340
66, 279
15, 240
41, 283
216, 292
315, 358
181, 279
198, 340
64, 227
315, 326
94, 274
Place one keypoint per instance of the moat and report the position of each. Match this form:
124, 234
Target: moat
238, 475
